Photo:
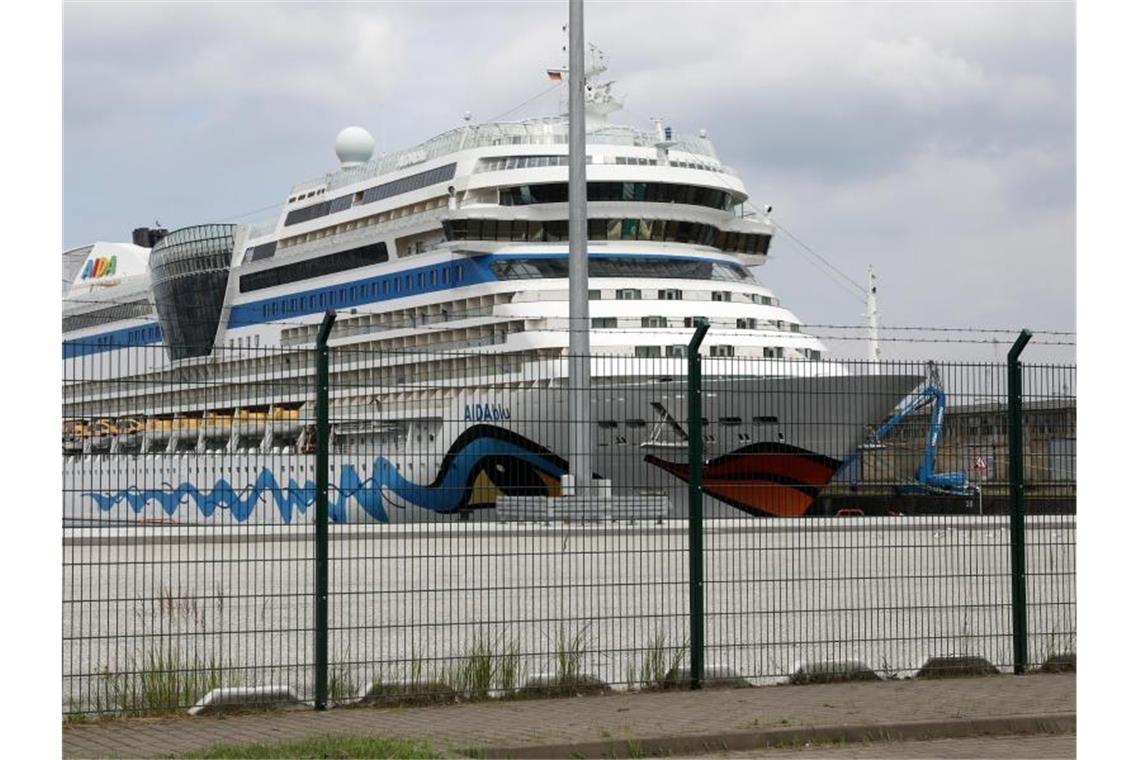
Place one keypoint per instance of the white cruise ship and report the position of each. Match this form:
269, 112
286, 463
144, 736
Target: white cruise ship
188, 356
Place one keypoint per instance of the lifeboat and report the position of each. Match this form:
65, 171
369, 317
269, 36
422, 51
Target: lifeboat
158, 429
218, 424
285, 421
74, 432
185, 428
128, 431
250, 422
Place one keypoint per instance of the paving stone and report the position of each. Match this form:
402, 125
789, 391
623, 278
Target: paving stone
591, 719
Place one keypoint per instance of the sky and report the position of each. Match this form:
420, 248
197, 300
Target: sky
935, 142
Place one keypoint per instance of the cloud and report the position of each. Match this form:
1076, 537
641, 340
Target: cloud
930, 139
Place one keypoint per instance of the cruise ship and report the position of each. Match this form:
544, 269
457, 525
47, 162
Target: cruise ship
188, 356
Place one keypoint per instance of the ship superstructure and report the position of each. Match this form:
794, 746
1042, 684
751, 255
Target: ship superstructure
447, 266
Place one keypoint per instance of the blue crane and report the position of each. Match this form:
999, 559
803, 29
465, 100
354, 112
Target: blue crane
926, 479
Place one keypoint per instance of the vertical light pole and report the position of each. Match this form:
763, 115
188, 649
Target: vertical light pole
581, 469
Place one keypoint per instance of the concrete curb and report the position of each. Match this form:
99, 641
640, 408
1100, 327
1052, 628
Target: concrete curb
1056, 723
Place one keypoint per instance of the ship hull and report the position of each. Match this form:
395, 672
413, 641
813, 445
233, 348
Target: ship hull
770, 445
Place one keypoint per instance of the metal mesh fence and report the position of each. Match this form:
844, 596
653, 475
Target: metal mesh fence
187, 544
850, 512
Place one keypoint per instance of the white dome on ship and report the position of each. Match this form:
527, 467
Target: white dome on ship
354, 146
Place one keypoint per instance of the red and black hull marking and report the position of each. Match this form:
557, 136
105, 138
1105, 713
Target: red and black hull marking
765, 479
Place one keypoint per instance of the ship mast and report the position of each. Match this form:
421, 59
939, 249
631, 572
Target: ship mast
581, 468
873, 317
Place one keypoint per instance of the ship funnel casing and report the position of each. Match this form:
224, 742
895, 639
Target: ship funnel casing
189, 270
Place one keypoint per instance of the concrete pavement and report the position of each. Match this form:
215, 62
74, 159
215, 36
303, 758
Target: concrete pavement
623, 725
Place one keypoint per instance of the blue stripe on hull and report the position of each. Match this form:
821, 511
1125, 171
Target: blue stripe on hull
448, 493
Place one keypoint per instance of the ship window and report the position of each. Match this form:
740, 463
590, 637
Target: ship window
647, 352
629, 294
353, 258
635, 423
556, 230
407, 184
603, 322
654, 322
623, 266
607, 424
730, 421
340, 204
613, 229
725, 350
676, 351
670, 294
673, 231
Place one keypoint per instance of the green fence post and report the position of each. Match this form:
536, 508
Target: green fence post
696, 512
1017, 506
321, 568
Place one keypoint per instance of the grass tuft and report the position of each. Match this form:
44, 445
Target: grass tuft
570, 655
659, 665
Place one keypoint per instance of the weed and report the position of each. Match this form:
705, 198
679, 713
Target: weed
342, 683
660, 666
474, 676
163, 680
570, 655
510, 667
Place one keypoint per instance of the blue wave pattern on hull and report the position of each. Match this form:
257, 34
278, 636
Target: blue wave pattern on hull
447, 494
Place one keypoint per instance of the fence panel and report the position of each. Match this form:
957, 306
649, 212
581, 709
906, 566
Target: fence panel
1049, 393
459, 567
904, 556
463, 569
187, 548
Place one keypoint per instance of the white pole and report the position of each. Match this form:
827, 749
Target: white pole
581, 469
873, 317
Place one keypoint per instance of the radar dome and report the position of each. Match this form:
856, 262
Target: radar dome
354, 146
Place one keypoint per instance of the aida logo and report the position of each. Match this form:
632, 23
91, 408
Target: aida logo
485, 413
103, 266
